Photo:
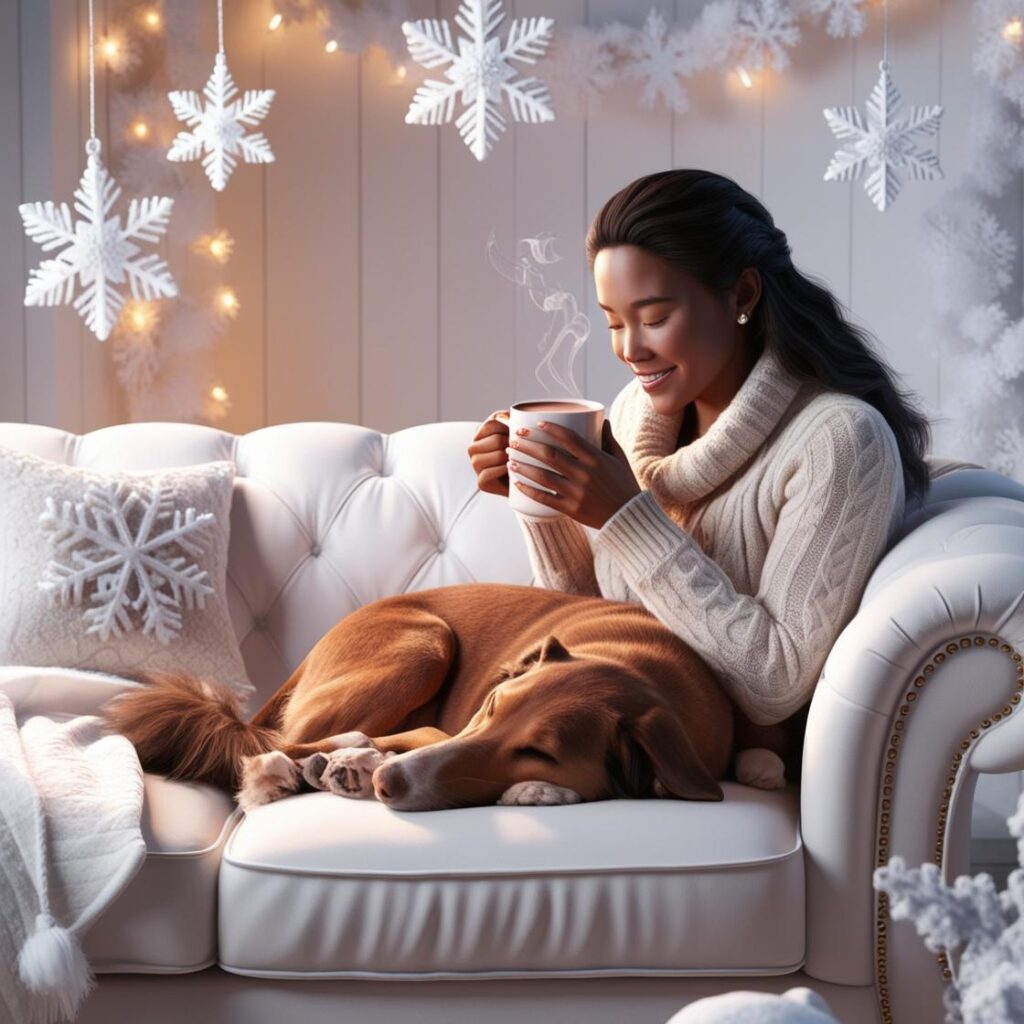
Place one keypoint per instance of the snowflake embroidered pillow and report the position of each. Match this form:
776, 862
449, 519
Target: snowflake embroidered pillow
117, 572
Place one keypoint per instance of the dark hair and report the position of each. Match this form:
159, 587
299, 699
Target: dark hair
713, 229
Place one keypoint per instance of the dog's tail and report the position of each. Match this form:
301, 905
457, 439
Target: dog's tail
188, 729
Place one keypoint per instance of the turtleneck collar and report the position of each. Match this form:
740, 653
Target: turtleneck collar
681, 475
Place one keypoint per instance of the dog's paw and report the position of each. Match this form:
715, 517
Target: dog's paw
760, 768
355, 738
349, 772
312, 768
267, 777
538, 793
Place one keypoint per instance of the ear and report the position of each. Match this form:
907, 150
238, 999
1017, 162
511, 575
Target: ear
549, 649
677, 769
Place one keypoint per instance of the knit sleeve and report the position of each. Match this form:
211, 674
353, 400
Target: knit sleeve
842, 500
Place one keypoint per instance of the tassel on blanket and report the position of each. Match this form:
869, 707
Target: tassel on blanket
54, 968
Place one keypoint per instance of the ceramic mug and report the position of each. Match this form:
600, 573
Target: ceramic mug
581, 415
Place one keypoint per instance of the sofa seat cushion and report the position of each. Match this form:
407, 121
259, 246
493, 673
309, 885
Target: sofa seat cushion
164, 921
317, 885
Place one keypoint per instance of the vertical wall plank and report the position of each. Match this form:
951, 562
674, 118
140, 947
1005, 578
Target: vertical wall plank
887, 295
240, 355
624, 142
814, 213
312, 229
477, 312
548, 174
13, 271
400, 266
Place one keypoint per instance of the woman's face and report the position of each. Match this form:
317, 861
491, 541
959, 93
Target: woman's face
688, 330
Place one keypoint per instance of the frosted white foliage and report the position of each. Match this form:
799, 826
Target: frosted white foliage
983, 323
480, 71
120, 543
581, 65
997, 139
659, 57
883, 142
997, 54
969, 255
99, 251
712, 35
845, 17
989, 984
218, 130
766, 27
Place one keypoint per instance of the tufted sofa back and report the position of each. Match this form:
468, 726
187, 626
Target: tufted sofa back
325, 517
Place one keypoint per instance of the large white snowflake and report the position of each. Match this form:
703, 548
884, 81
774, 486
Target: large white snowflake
99, 250
845, 17
659, 57
480, 70
128, 551
884, 143
218, 129
763, 27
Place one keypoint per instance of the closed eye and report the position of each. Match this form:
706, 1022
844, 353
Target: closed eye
537, 753
657, 323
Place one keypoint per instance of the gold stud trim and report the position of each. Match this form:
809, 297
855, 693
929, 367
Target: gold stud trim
885, 801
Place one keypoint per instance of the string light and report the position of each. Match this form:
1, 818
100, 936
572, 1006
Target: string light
274, 23
140, 129
1013, 32
139, 315
227, 301
151, 19
332, 46
401, 71
745, 77
111, 50
219, 246
218, 394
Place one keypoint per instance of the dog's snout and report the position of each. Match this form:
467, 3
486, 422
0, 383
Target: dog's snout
389, 782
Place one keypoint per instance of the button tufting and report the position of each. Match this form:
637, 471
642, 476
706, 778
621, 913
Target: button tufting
315, 550
440, 545
260, 624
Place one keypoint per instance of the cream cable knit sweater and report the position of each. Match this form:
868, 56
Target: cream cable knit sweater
754, 542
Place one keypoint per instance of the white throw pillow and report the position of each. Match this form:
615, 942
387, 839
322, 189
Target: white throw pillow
117, 572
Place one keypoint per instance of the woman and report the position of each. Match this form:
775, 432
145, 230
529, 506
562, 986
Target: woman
745, 493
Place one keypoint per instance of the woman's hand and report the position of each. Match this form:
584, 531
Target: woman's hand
487, 454
592, 484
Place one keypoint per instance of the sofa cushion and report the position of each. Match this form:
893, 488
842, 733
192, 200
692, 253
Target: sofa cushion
319, 885
164, 921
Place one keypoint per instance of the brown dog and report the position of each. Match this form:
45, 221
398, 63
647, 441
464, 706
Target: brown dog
459, 696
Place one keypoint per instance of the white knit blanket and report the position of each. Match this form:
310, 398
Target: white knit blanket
70, 836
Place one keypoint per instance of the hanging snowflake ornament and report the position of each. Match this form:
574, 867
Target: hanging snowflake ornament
218, 129
480, 71
845, 17
883, 143
99, 250
120, 543
659, 58
766, 27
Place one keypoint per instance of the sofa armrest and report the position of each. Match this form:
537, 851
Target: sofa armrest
928, 666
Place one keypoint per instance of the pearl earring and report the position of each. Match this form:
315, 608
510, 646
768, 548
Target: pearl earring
742, 318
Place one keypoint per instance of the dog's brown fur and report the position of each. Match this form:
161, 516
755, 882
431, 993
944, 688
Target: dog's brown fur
466, 691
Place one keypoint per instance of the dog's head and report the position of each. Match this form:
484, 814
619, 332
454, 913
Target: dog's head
580, 722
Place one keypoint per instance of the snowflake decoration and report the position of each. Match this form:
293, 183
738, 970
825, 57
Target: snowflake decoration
113, 553
659, 57
480, 71
99, 250
218, 129
884, 144
581, 65
763, 27
845, 17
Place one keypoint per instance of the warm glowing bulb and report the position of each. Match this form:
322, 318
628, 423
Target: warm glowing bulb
140, 130
1013, 32
110, 49
275, 23
217, 248
139, 315
228, 301
745, 77
138, 319
400, 71
152, 19
332, 46
218, 394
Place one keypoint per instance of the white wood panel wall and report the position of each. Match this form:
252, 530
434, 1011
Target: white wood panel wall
366, 295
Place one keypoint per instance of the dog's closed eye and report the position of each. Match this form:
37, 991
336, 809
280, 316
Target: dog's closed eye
537, 753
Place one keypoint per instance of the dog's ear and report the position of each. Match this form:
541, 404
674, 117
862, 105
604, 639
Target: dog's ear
549, 649
677, 770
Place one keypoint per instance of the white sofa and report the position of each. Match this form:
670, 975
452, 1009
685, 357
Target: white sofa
320, 909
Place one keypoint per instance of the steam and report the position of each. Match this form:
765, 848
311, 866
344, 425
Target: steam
568, 328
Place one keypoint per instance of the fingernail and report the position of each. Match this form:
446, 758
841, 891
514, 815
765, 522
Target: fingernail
523, 431
513, 463
542, 423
